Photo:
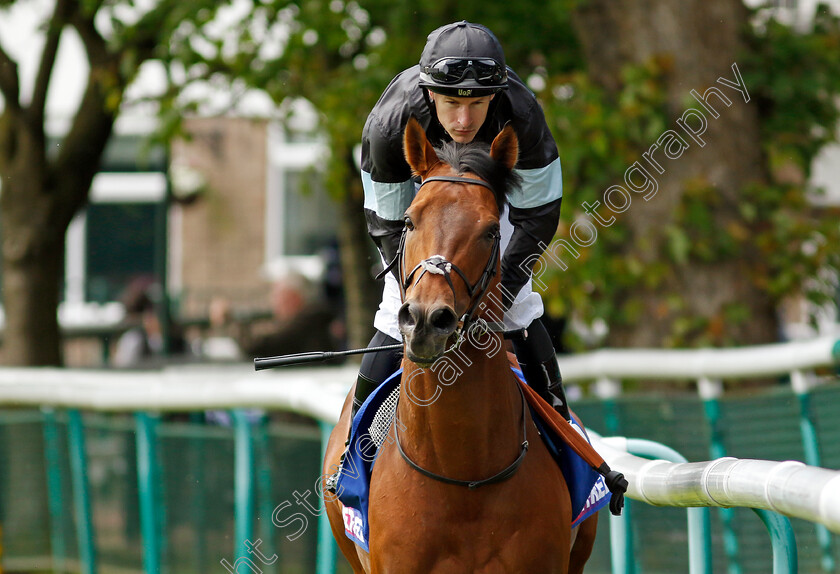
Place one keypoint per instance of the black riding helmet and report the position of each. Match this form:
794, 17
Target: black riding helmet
464, 60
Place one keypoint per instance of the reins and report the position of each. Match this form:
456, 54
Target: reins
500, 476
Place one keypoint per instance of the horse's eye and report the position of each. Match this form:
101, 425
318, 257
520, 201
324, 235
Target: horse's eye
408, 223
493, 233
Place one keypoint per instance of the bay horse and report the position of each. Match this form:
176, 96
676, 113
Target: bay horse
423, 517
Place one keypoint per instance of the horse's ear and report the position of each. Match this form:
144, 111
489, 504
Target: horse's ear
419, 153
505, 148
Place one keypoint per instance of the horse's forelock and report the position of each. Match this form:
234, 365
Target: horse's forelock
475, 158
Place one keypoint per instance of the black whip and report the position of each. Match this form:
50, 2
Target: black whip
261, 363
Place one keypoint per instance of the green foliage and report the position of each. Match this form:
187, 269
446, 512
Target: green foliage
795, 79
785, 245
599, 138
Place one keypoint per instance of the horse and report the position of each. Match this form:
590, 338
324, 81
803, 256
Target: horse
454, 491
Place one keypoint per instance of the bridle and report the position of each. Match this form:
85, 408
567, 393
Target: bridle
439, 265
500, 476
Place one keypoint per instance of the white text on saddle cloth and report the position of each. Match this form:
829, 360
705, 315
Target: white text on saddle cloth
353, 523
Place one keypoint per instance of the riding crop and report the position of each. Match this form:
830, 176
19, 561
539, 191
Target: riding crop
261, 363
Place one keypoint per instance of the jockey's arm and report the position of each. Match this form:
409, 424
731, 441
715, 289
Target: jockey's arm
389, 190
534, 212
385, 234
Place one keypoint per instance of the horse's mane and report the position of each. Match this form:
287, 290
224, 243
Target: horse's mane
474, 157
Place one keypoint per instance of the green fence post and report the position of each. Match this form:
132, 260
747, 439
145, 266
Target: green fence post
622, 556
263, 464
243, 482
785, 558
699, 524
147, 474
197, 493
608, 390
622, 546
835, 354
55, 495
710, 391
810, 443
326, 543
81, 492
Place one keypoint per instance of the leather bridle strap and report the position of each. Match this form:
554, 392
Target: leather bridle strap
473, 484
457, 179
451, 179
445, 266
439, 265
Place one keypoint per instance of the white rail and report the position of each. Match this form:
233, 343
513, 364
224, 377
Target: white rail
209, 386
790, 488
734, 363
315, 392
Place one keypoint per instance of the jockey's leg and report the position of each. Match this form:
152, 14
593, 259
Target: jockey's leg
537, 357
375, 368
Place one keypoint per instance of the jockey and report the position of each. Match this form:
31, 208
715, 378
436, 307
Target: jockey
462, 91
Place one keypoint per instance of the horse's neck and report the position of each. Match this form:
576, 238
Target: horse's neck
465, 408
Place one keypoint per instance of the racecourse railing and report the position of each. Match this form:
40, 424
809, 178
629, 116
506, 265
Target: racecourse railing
791, 488
609, 369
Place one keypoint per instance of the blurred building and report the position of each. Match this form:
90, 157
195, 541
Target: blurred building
224, 212
236, 204
257, 208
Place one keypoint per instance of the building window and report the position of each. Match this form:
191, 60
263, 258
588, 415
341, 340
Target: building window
117, 236
119, 246
301, 218
308, 217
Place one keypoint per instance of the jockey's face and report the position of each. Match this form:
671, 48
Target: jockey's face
461, 117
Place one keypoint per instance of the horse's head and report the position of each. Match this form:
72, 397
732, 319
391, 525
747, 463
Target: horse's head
451, 243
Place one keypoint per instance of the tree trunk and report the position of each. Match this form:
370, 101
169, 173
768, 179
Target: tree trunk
361, 292
40, 197
33, 253
31, 295
697, 42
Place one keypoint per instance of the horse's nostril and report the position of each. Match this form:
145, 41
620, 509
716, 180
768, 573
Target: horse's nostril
405, 316
443, 319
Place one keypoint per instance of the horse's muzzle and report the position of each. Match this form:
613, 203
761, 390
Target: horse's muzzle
426, 330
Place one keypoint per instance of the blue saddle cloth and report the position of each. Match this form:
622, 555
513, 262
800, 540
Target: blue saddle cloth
370, 430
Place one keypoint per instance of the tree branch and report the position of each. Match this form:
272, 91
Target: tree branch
45, 68
9, 83
95, 45
148, 33
80, 154
81, 151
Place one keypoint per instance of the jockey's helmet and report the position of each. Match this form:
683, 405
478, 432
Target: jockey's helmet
463, 59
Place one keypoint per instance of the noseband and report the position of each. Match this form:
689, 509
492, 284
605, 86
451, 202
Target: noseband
439, 265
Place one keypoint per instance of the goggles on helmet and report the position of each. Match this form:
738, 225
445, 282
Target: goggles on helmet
486, 71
